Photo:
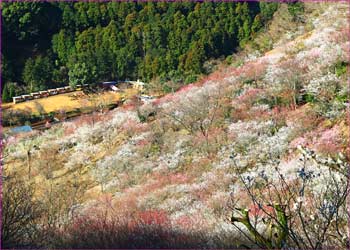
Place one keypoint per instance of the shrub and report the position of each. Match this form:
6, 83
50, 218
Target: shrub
268, 9
229, 59
167, 89
191, 78
330, 141
340, 68
19, 117
148, 229
323, 88
7, 93
296, 9
20, 214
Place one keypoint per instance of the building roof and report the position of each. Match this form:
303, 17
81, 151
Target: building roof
110, 82
21, 129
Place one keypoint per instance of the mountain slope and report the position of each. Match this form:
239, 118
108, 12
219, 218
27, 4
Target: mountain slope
183, 154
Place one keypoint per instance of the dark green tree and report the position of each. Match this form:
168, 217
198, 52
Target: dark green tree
37, 73
6, 95
267, 9
79, 73
123, 39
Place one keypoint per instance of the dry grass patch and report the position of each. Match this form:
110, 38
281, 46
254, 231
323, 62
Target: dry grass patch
66, 102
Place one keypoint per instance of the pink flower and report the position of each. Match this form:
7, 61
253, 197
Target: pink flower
164, 99
300, 141
315, 53
142, 143
330, 141
263, 211
249, 96
186, 88
153, 217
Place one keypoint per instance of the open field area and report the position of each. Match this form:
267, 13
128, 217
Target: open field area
68, 102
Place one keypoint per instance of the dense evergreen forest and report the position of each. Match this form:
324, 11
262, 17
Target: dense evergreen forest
47, 44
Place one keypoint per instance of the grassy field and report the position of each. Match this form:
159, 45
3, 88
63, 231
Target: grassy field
68, 101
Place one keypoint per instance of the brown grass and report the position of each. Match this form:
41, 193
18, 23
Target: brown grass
65, 102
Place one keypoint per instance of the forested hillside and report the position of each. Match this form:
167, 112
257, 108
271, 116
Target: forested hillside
52, 44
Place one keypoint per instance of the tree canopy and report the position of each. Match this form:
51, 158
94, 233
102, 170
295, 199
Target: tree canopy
59, 41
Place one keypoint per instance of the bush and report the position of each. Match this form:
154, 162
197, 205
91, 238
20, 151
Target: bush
148, 229
296, 9
20, 214
229, 59
7, 93
340, 68
167, 89
10, 90
308, 98
19, 117
190, 79
267, 9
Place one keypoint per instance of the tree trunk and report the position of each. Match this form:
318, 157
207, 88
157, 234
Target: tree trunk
29, 164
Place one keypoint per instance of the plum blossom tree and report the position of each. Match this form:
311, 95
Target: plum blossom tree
308, 211
286, 79
198, 110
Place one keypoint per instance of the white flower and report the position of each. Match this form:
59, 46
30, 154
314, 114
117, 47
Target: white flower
300, 199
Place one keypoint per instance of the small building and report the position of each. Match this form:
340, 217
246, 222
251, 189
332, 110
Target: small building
52, 91
17, 99
35, 95
27, 97
68, 88
44, 93
114, 88
107, 85
110, 83
61, 90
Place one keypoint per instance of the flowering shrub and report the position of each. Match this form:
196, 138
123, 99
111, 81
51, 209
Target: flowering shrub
153, 218
247, 133
211, 143
323, 88
118, 232
303, 119
248, 96
330, 141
